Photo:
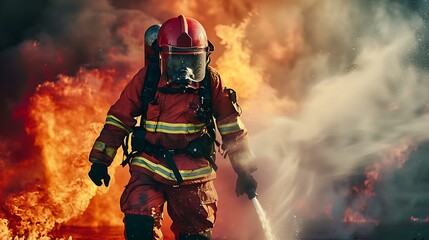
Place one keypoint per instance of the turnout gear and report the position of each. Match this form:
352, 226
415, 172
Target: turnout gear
181, 101
98, 172
191, 207
200, 147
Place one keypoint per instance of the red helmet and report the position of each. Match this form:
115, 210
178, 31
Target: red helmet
184, 50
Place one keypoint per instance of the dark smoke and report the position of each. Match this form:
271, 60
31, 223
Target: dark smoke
42, 39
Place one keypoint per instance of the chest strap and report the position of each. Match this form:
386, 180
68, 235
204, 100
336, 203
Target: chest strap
200, 147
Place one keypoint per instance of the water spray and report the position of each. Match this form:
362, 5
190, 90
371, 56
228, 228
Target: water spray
263, 219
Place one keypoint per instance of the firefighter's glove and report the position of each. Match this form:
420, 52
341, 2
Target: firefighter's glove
98, 172
246, 184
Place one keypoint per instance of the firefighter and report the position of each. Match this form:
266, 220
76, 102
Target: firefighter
178, 96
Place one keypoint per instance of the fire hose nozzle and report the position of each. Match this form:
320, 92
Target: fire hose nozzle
251, 195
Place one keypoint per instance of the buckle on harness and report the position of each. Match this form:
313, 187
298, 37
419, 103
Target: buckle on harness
167, 153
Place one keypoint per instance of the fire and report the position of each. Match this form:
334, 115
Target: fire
235, 64
66, 116
4, 230
390, 160
351, 216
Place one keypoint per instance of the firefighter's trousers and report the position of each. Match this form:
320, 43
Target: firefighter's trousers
191, 207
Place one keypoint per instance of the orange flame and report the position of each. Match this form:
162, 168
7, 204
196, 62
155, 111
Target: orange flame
235, 65
58, 112
392, 159
351, 216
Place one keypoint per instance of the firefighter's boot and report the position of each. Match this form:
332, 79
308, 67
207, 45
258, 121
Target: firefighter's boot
202, 236
138, 227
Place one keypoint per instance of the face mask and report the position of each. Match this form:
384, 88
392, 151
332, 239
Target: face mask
186, 68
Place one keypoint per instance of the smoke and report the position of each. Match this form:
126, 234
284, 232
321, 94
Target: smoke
60, 38
357, 71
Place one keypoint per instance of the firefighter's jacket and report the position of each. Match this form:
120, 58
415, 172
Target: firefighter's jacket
171, 123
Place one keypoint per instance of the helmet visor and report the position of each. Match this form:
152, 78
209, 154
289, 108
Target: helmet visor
188, 66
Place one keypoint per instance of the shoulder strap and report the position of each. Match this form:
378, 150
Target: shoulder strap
150, 85
206, 102
151, 80
147, 95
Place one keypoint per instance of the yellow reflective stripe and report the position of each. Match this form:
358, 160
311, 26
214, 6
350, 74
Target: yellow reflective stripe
102, 147
231, 127
168, 173
116, 125
173, 128
112, 120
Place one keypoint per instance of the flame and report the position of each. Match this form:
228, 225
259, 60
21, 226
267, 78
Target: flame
390, 160
351, 216
4, 230
235, 65
64, 131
